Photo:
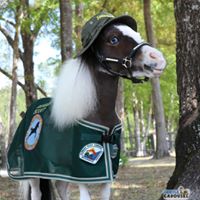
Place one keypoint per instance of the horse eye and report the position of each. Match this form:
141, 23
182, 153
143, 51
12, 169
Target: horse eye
114, 40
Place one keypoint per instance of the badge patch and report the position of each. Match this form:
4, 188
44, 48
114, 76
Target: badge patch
91, 153
33, 133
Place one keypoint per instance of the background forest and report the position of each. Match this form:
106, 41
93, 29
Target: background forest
37, 28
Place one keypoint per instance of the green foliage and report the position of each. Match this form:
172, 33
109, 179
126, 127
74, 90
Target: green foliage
123, 159
4, 105
164, 29
33, 17
38, 15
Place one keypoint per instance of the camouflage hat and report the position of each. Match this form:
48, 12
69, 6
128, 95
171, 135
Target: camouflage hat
93, 27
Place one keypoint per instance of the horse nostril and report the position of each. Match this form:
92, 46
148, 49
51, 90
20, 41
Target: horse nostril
153, 55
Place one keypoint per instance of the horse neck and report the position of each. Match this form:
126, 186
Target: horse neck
106, 89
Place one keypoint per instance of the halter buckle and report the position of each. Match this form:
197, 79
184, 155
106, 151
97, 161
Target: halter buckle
127, 62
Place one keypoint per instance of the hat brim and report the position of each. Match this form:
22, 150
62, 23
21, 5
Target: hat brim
124, 19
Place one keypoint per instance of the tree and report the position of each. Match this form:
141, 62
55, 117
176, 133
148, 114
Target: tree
137, 130
130, 135
13, 98
34, 17
28, 34
66, 29
79, 7
187, 171
120, 109
161, 146
2, 146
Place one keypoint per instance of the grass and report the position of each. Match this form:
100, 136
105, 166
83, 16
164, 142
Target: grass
143, 179
140, 179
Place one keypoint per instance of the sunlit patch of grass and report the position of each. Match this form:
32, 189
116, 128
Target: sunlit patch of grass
158, 165
126, 186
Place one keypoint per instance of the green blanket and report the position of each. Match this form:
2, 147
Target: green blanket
85, 152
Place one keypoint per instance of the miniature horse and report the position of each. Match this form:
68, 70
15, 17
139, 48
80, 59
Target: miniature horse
87, 90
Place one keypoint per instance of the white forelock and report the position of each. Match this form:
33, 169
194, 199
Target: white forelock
75, 95
127, 31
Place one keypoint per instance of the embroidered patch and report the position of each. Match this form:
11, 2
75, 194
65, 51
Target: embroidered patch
33, 133
91, 153
41, 108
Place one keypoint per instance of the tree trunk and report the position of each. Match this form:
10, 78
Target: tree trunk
161, 142
66, 29
79, 19
13, 99
149, 121
162, 148
143, 131
146, 132
187, 170
120, 110
2, 146
130, 133
28, 38
30, 88
137, 132
141, 116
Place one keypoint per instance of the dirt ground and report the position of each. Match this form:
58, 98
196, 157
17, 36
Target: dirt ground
140, 179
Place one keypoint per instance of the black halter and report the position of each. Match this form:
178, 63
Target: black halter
126, 63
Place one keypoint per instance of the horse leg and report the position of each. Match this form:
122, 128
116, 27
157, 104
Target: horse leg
24, 189
105, 191
35, 189
62, 188
84, 194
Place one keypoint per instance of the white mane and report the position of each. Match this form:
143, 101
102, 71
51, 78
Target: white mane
75, 95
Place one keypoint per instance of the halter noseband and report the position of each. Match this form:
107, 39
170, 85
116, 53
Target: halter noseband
126, 63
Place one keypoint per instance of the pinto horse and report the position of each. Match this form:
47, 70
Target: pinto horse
86, 94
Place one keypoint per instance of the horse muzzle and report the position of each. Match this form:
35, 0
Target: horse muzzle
155, 61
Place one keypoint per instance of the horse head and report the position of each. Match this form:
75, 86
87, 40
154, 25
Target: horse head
120, 50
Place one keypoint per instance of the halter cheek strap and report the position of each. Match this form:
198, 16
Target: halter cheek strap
126, 63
